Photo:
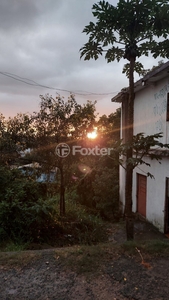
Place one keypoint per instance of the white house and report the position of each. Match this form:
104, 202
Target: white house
151, 115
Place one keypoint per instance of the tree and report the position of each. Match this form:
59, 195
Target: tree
142, 146
129, 30
109, 126
15, 136
58, 122
100, 176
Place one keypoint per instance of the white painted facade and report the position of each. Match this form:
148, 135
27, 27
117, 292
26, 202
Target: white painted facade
150, 111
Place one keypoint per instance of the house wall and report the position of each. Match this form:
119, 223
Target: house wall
150, 109
155, 202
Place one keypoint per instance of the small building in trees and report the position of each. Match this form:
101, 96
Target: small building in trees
151, 116
34, 169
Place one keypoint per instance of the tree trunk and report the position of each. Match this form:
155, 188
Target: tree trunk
129, 154
62, 193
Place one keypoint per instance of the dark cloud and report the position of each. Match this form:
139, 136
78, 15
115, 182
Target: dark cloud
40, 41
17, 14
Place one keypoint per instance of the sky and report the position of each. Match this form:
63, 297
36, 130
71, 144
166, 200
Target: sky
39, 54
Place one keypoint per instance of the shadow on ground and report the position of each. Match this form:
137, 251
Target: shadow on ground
142, 231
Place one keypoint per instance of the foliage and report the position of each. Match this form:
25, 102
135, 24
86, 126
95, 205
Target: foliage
99, 174
23, 208
85, 184
120, 36
84, 226
138, 68
106, 193
16, 135
108, 127
143, 30
60, 121
27, 211
15, 185
102, 195
11, 246
28, 215
142, 146
57, 121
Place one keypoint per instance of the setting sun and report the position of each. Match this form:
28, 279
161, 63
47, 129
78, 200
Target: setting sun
92, 135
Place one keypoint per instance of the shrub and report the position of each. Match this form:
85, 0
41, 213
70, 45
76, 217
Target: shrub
106, 191
84, 227
99, 190
28, 215
24, 208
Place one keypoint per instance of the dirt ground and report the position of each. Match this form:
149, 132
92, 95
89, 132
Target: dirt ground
53, 274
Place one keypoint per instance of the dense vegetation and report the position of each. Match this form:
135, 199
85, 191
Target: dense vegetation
30, 211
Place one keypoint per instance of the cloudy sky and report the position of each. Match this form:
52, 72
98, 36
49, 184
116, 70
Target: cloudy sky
39, 54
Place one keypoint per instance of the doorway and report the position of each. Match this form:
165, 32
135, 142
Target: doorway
141, 194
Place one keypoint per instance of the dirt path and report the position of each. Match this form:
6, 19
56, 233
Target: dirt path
46, 277
78, 274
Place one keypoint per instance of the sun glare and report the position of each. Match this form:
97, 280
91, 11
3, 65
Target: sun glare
92, 135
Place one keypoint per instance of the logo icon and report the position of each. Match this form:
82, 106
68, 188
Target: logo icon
62, 150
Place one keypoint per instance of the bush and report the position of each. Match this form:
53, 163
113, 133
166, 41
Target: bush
102, 192
106, 194
81, 226
23, 220
24, 209
85, 190
27, 215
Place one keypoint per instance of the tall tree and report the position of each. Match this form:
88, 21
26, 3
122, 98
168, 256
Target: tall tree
59, 122
129, 30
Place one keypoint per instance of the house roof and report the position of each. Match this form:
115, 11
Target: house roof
150, 78
35, 165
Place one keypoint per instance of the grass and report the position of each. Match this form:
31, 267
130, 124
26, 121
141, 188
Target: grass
156, 247
151, 246
17, 259
88, 260
15, 247
10, 246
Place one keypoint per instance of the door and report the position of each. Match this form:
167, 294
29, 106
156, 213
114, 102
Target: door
166, 217
141, 194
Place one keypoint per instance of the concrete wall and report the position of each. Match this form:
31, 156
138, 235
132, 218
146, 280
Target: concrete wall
155, 205
150, 110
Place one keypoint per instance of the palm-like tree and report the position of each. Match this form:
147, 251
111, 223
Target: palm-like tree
129, 30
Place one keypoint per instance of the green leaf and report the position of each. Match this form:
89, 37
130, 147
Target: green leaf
91, 50
136, 24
